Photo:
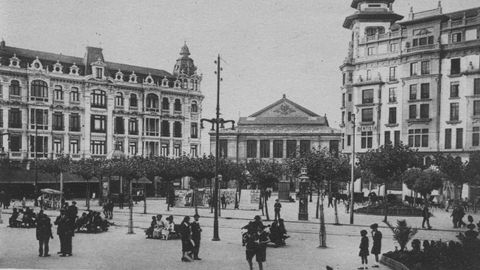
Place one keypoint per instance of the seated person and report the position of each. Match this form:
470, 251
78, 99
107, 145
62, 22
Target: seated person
13, 220
159, 225
149, 231
81, 222
169, 228
278, 233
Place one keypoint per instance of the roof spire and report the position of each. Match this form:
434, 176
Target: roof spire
284, 96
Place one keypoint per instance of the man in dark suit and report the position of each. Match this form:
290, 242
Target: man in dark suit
196, 236
44, 233
65, 233
72, 211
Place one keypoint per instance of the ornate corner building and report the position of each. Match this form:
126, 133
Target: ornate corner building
53, 104
415, 81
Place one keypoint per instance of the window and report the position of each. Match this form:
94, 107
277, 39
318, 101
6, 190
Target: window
14, 118
422, 41
366, 139
99, 73
343, 100
58, 93
291, 148
425, 91
412, 112
448, 138
455, 66
194, 130
476, 136
413, 69
133, 148
349, 97
367, 96
15, 143
425, 67
304, 147
119, 126
1, 121
454, 89
424, 111
349, 116
278, 149
251, 148
369, 75
456, 37
165, 104
99, 99
476, 107
177, 106
74, 95
194, 107
57, 121
370, 50
39, 91
392, 97
264, 148
165, 131
392, 115
418, 137
151, 127
74, 147
14, 88
476, 86
98, 123
177, 129
454, 111
39, 145
387, 137
98, 147
392, 74
223, 148
133, 101
38, 119
119, 100
393, 47
57, 146
349, 140
152, 102
177, 149
74, 123
413, 92
459, 141
396, 137
343, 117
367, 115
164, 150
133, 126
194, 151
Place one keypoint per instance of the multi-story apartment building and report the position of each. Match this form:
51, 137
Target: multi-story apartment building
53, 104
415, 81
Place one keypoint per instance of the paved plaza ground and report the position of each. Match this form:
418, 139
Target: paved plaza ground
117, 250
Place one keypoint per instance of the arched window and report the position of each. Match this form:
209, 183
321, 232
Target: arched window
15, 89
119, 99
177, 129
58, 93
152, 102
74, 95
165, 104
177, 106
165, 129
133, 100
194, 106
39, 90
99, 99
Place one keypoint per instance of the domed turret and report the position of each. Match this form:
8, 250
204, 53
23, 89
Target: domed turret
184, 65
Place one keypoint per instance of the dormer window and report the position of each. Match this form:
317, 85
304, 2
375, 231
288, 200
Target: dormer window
98, 72
57, 67
149, 79
133, 77
74, 69
14, 61
177, 84
119, 76
165, 82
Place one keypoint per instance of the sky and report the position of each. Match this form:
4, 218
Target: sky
268, 48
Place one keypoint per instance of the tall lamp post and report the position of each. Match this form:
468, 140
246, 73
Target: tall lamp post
3, 155
352, 173
217, 123
118, 154
303, 200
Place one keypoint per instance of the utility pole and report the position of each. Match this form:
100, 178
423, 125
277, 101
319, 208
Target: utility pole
352, 177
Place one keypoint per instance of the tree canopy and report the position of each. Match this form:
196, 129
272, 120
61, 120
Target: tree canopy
423, 181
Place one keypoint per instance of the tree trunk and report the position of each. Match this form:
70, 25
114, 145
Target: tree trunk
385, 202
318, 203
266, 206
87, 196
336, 212
144, 198
311, 192
168, 196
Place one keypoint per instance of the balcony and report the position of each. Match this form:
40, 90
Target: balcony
419, 121
466, 21
152, 109
378, 37
427, 47
133, 108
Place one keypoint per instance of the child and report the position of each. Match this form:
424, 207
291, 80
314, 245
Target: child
377, 242
364, 249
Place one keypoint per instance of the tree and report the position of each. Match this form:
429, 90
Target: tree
454, 171
422, 181
402, 233
265, 174
472, 168
387, 163
170, 169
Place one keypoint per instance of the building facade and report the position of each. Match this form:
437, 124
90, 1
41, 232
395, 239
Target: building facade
53, 104
415, 81
276, 132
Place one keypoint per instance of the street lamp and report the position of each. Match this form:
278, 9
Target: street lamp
218, 123
352, 175
118, 154
303, 196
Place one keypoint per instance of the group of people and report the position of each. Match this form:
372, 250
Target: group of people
91, 222
23, 218
108, 209
5, 199
160, 229
255, 240
364, 246
191, 236
457, 215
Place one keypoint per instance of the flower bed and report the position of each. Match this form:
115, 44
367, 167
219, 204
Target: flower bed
393, 210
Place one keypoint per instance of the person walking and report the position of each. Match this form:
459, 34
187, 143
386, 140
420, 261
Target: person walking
256, 243
65, 233
43, 233
364, 249
72, 211
187, 246
426, 217
196, 236
277, 207
377, 243
224, 201
120, 200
